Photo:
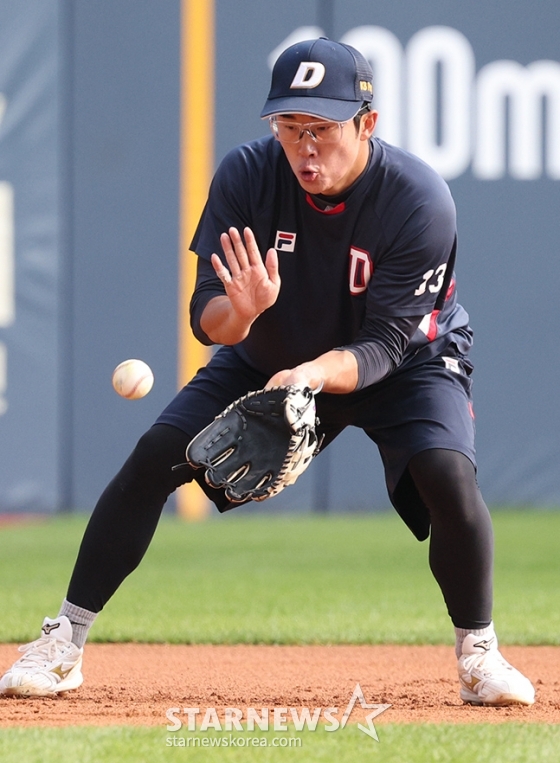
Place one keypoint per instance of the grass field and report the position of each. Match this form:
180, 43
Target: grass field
287, 580
431, 743
284, 580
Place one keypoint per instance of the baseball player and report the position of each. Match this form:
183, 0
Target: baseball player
325, 257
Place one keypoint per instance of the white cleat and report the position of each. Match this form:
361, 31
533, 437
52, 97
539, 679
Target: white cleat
487, 679
50, 665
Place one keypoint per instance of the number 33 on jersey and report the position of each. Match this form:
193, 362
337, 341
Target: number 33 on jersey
432, 280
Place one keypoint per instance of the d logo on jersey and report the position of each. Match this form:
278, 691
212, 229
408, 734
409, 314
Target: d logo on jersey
361, 270
285, 242
309, 74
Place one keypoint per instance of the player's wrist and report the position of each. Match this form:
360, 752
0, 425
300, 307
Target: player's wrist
336, 370
310, 375
223, 324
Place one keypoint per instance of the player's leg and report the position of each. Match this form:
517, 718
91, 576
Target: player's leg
425, 432
123, 523
461, 535
461, 556
116, 538
125, 518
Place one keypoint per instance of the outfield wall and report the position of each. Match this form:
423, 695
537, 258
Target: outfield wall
90, 127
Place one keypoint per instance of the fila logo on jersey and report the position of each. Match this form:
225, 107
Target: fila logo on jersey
285, 242
309, 74
361, 270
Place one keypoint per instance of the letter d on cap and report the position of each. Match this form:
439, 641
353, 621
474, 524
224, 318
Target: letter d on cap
309, 74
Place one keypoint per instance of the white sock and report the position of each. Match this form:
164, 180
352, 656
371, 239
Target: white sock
81, 620
462, 633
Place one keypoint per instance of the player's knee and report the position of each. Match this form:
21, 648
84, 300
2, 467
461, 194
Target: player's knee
158, 450
443, 467
446, 481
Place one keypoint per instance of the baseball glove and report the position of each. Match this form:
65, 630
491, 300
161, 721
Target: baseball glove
259, 444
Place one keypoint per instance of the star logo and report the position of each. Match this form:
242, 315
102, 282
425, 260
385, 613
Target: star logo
377, 709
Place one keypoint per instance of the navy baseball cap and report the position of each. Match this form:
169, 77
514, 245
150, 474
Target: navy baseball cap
322, 78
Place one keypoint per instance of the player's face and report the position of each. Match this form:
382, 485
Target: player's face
329, 168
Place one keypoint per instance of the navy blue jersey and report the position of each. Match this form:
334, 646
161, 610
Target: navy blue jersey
386, 251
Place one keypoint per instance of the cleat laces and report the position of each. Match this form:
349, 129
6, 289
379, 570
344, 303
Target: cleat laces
486, 663
40, 653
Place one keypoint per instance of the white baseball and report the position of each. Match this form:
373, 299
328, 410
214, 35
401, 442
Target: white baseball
133, 379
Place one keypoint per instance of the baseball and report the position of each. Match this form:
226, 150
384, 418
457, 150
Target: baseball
133, 379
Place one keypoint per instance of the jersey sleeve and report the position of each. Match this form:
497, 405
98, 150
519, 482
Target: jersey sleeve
223, 209
208, 286
238, 196
412, 270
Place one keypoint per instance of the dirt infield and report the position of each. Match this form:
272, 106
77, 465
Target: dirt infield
135, 684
